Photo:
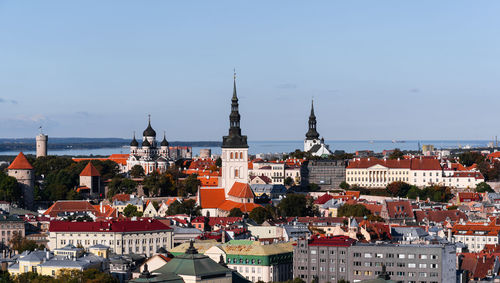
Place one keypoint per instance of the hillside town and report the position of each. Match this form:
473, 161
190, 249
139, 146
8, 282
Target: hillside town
161, 214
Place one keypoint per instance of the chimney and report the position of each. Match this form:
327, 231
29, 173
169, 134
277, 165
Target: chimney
47, 254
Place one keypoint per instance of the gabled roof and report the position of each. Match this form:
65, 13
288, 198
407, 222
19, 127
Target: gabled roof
323, 199
241, 190
244, 207
90, 170
399, 209
20, 163
439, 216
211, 198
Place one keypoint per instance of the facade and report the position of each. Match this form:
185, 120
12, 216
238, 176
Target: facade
313, 143
476, 235
277, 172
151, 156
328, 174
377, 173
22, 170
142, 236
41, 145
334, 258
11, 225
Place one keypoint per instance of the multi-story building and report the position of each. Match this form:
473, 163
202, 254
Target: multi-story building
10, 226
475, 235
423, 171
276, 171
23, 171
141, 236
328, 174
404, 263
324, 259
334, 258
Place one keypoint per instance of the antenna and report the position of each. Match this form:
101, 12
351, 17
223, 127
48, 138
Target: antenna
41, 131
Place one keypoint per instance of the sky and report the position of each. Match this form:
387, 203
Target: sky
376, 69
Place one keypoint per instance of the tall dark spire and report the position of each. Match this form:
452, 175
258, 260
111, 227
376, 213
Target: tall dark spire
234, 139
312, 134
149, 132
134, 141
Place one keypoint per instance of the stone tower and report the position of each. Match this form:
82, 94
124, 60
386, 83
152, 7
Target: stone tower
234, 149
41, 144
91, 178
22, 170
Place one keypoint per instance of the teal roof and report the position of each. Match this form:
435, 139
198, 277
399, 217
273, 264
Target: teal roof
169, 278
193, 264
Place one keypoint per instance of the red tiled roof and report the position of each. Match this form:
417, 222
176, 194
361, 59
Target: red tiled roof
399, 209
478, 265
244, 207
468, 196
108, 226
323, 199
211, 198
208, 182
90, 170
475, 175
440, 216
425, 164
241, 190
20, 163
121, 197
80, 206
334, 241
355, 194
264, 178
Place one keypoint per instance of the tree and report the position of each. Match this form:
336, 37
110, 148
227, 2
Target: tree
470, 157
259, 215
344, 185
186, 207
293, 205
137, 171
483, 187
10, 189
159, 185
121, 185
190, 185
398, 188
235, 212
353, 210
131, 211
397, 153
20, 244
288, 181
218, 162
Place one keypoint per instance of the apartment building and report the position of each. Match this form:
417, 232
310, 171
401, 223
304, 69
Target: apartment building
330, 259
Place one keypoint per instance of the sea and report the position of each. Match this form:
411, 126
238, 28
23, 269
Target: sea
256, 147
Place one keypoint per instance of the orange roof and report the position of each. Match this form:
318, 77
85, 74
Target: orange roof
241, 190
79, 189
121, 197
244, 207
20, 163
90, 170
211, 198
80, 206
355, 194
209, 182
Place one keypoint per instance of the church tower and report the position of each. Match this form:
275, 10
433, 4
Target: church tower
234, 149
312, 136
41, 144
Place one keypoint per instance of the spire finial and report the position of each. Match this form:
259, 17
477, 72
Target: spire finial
40, 128
149, 118
234, 85
134, 135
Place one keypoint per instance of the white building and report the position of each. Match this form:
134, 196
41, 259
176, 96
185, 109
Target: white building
141, 236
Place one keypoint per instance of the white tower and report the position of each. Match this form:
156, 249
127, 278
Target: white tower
234, 149
41, 144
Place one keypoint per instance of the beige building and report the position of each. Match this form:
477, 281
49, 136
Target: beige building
10, 225
141, 236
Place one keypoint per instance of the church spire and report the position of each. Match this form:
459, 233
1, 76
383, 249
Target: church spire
234, 139
312, 134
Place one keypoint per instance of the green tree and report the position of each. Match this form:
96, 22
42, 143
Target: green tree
354, 210
137, 171
397, 153
218, 162
190, 185
20, 244
484, 187
259, 214
188, 207
131, 211
159, 185
235, 212
452, 207
10, 189
344, 185
293, 205
470, 157
413, 192
398, 188
120, 185
288, 181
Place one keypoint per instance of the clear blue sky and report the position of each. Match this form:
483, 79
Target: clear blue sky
377, 69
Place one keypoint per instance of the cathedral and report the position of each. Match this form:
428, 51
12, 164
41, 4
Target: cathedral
313, 143
149, 155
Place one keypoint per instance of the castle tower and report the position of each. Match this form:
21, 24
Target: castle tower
91, 178
312, 136
234, 149
22, 170
41, 144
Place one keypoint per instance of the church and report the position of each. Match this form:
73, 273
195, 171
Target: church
233, 190
149, 155
313, 143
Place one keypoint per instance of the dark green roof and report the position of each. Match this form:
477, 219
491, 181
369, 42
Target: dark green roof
193, 264
167, 277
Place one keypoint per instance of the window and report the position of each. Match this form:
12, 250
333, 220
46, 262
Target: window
401, 256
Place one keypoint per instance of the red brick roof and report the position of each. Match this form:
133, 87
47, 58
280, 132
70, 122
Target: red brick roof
334, 241
139, 225
264, 178
469, 196
323, 199
90, 170
121, 197
20, 163
241, 190
478, 265
211, 198
244, 207
399, 209
79, 206
440, 216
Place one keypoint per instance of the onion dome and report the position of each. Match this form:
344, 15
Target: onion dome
164, 142
134, 142
149, 132
146, 143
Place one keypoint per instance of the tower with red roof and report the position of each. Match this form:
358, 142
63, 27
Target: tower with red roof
91, 178
22, 170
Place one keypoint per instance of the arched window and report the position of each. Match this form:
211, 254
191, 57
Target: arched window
236, 173
231, 155
241, 155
